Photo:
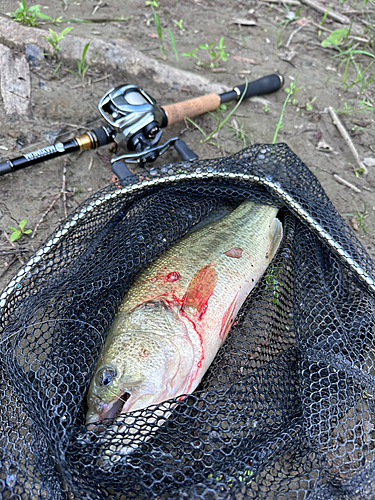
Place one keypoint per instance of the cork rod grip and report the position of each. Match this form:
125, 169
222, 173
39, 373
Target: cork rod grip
193, 107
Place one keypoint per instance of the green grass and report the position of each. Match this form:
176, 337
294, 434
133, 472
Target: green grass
290, 93
219, 121
28, 15
359, 216
160, 32
54, 39
215, 54
348, 52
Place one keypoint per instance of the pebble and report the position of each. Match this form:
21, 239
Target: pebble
369, 162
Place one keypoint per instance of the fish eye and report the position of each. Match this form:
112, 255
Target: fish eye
106, 376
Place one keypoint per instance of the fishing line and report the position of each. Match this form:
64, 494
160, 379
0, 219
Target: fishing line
39, 323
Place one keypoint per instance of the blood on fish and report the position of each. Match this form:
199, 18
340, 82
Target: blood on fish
199, 364
173, 276
225, 322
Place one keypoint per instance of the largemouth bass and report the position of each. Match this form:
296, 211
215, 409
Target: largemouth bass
176, 316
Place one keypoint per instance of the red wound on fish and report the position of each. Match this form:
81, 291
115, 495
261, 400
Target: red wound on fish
235, 253
227, 317
173, 276
200, 289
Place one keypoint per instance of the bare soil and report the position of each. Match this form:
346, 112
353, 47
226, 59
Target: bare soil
258, 38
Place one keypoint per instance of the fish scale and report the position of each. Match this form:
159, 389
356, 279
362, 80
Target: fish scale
176, 316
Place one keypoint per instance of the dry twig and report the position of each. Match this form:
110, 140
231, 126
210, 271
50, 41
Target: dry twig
344, 134
14, 246
294, 32
62, 193
346, 183
332, 14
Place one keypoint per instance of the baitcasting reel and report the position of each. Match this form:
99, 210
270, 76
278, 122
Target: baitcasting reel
133, 116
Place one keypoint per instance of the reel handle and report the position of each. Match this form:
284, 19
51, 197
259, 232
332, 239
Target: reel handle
174, 113
184, 151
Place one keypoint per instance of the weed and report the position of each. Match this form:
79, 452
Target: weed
273, 283
290, 16
153, 3
160, 31
364, 107
216, 53
325, 15
359, 216
18, 232
347, 52
358, 170
336, 37
237, 127
309, 106
54, 39
266, 108
291, 90
178, 25
28, 15
82, 66
219, 121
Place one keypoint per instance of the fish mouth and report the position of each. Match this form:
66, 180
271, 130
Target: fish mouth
111, 410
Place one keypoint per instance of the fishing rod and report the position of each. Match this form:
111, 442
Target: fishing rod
133, 116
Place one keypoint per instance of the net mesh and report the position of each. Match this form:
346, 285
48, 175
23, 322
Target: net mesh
286, 409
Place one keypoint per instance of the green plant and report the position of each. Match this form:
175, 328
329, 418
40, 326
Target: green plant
309, 104
290, 16
347, 52
18, 232
178, 24
220, 122
266, 108
82, 66
358, 171
292, 91
152, 3
336, 37
279, 125
160, 31
359, 216
54, 39
28, 15
365, 106
238, 128
325, 15
216, 53
273, 283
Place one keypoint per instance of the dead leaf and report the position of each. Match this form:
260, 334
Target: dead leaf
323, 146
302, 21
287, 55
245, 59
354, 224
105, 158
361, 122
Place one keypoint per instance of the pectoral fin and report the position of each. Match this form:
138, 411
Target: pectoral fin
199, 290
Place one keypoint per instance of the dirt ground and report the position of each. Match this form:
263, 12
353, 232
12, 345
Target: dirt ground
260, 38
